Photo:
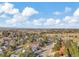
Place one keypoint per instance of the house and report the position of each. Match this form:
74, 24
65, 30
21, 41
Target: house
34, 46
13, 55
1, 51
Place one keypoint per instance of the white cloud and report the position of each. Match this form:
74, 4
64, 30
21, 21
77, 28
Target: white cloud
67, 9
45, 22
58, 21
71, 20
38, 21
16, 18
12, 21
8, 8
12, 11
67, 18
76, 13
57, 13
3, 16
29, 11
50, 21
23, 17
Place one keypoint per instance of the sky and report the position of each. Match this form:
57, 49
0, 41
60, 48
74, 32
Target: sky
39, 14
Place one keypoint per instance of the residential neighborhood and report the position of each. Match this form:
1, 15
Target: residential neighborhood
39, 43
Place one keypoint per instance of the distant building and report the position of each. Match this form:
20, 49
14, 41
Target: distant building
1, 51
13, 55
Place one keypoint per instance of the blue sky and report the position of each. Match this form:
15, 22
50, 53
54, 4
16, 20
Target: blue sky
39, 14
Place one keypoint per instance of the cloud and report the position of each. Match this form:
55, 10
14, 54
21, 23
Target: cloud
12, 15
12, 21
50, 21
58, 21
57, 13
8, 8
67, 19
76, 13
71, 19
66, 22
29, 11
67, 9
16, 19
45, 22
38, 22
23, 18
